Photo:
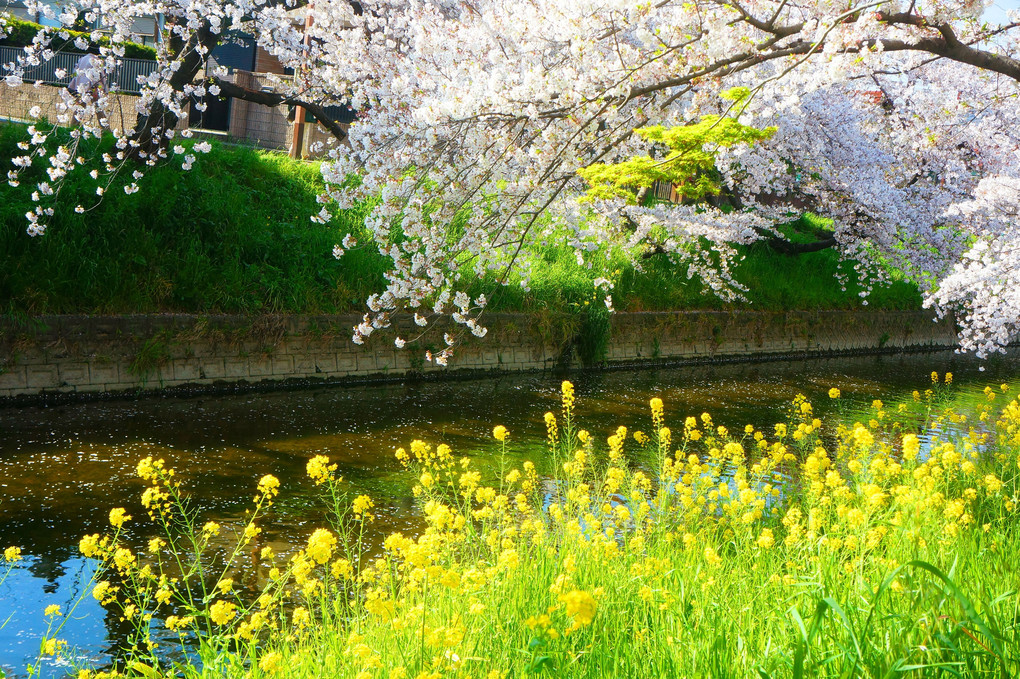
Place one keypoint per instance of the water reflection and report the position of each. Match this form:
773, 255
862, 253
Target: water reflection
63, 467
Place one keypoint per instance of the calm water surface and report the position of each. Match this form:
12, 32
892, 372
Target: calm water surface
62, 468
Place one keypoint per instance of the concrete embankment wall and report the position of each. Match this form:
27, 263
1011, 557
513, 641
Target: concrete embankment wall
83, 356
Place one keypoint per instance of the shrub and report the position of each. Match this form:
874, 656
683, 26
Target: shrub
21, 33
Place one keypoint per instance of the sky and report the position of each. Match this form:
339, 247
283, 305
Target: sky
997, 12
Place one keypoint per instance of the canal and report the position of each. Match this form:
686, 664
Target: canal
62, 468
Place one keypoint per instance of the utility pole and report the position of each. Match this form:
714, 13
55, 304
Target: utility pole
297, 140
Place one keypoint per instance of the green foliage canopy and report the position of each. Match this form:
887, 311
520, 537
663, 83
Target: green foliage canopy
689, 165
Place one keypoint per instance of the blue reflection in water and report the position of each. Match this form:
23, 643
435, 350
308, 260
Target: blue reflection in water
30, 587
93, 634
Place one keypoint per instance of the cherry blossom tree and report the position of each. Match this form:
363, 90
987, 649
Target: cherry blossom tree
898, 120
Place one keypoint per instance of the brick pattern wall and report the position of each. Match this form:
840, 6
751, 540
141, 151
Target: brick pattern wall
266, 126
16, 102
85, 355
267, 63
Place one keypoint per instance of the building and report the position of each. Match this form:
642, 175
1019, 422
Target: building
146, 30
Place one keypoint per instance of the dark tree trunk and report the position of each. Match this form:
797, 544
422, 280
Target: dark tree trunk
150, 128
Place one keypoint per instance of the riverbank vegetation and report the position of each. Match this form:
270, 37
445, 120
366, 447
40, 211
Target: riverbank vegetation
233, 235
882, 543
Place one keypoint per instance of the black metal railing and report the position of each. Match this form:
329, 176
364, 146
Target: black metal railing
124, 77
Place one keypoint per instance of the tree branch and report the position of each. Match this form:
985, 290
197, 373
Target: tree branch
273, 99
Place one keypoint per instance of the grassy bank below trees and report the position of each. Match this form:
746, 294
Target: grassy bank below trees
233, 235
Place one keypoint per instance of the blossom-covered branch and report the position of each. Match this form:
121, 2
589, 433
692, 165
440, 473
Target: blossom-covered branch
899, 121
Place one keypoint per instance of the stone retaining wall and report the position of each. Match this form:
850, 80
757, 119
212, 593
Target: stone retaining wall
77, 356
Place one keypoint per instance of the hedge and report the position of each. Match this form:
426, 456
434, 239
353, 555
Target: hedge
20, 33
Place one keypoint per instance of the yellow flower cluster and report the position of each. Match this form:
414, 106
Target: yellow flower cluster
222, 612
553, 563
579, 605
269, 486
321, 544
361, 505
567, 397
118, 517
320, 470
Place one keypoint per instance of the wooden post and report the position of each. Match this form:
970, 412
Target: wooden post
297, 140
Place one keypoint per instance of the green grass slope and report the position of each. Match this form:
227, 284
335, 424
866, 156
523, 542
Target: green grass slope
234, 235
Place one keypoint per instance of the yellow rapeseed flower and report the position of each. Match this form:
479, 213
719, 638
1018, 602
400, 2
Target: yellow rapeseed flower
175, 623
12, 554
52, 646
342, 569
993, 483
579, 605
499, 432
118, 517
222, 612
319, 469
911, 446
89, 545
270, 662
269, 486
149, 469
657, 412
552, 431
53, 610
321, 544
834, 393
362, 504
567, 390
301, 618
123, 558
102, 591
